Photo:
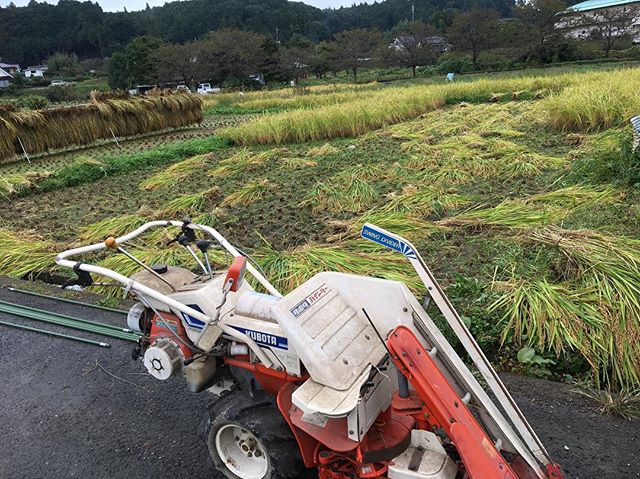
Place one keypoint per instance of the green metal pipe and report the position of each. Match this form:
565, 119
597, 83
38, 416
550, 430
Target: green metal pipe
61, 320
66, 300
58, 335
65, 317
68, 321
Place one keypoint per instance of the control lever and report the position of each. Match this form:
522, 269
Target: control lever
111, 242
187, 236
203, 245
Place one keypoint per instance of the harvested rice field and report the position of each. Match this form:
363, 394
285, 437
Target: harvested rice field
521, 194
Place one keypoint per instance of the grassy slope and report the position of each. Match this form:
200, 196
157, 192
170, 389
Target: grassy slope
306, 200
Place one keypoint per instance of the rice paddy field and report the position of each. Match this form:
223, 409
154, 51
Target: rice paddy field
520, 192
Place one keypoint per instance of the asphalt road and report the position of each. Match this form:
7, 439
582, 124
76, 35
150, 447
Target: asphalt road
74, 410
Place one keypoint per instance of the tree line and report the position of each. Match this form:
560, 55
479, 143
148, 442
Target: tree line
231, 57
28, 35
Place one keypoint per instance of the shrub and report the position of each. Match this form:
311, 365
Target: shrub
450, 62
33, 102
631, 52
57, 94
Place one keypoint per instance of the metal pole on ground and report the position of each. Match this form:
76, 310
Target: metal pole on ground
58, 335
69, 321
66, 300
26, 155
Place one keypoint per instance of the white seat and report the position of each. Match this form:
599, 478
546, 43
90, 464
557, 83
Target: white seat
316, 398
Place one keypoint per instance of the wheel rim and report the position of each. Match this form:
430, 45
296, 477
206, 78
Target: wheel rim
241, 452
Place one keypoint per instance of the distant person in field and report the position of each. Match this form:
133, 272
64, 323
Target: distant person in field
450, 76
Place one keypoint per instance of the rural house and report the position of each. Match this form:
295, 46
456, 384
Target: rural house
614, 18
5, 78
35, 71
10, 68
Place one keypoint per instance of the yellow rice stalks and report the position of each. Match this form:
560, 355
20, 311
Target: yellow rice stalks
107, 115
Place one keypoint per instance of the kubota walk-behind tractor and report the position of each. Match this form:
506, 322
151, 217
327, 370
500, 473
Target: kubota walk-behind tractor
345, 377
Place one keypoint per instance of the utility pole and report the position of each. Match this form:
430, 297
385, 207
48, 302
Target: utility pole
413, 12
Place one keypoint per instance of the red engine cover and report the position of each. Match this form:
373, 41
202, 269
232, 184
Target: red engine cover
170, 327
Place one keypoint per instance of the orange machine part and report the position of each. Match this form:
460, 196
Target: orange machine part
170, 327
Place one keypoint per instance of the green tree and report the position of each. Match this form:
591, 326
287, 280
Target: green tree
188, 63
236, 54
295, 59
539, 18
117, 73
320, 63
141, 66
352, 48
474, 31
63, 63
411, 46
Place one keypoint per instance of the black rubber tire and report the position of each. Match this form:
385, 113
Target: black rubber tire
259, 415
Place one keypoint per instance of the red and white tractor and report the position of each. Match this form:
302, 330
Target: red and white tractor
346, 377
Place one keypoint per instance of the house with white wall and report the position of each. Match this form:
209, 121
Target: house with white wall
5, 78
622, 17
35, 71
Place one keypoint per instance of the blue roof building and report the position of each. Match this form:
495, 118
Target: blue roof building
585, 19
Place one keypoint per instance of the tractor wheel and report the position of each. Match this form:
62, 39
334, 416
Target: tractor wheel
248, 438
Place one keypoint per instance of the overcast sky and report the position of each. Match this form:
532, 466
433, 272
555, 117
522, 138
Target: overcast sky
117, 5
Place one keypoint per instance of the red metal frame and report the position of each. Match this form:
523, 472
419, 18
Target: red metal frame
269, 379
433, 404
478, 453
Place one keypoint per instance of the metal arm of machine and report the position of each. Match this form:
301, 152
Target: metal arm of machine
527, 444
480, 457
63, 260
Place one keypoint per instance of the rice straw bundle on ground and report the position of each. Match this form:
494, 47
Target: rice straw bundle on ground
105, 116
23, 254
243, 161
403, 224
350, 190
113, 226
18, 183
554, 317
423, 201
600, 291
248, 194
533, 211
190, 203
177, 172
288, 269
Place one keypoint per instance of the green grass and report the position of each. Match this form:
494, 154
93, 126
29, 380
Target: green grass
85, 87
87, 170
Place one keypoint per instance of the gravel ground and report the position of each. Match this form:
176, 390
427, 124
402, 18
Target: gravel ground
75, 410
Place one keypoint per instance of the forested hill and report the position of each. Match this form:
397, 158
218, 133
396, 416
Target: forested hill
29, 34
